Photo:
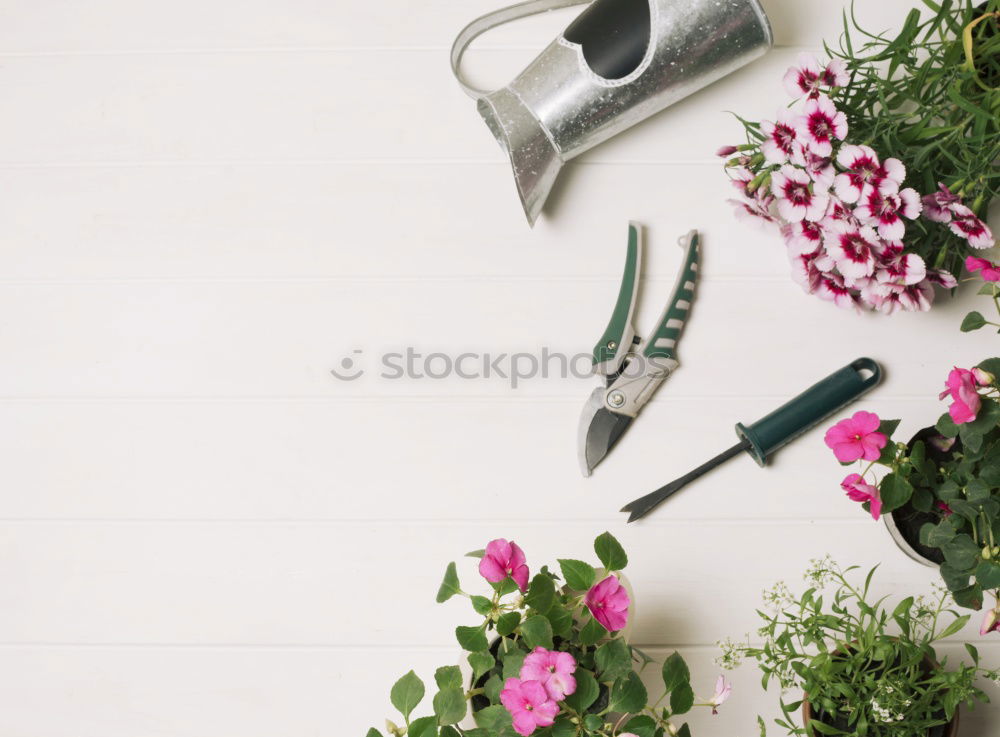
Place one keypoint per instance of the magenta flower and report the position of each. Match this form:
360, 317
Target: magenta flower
529, 705
853, 249
864, 172
938, 206
781, 144
833, 288
991, 620
554, 670
857, 438
608, 601
808, 77
946, 511
962, 386
820, 124
503, 559
802, 237
886, 205
794, 195
965, 224
723, 691
989, 271
860, 491
942, 278
809, 269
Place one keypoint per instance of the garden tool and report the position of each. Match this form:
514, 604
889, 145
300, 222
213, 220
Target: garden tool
633, 369
618, 63
779, 428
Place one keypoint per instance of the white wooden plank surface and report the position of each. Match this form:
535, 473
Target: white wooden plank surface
204, 207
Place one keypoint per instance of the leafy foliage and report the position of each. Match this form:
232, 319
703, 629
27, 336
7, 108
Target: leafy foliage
866, 668
551, 614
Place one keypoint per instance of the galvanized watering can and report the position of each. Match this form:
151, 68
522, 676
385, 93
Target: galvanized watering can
618, 63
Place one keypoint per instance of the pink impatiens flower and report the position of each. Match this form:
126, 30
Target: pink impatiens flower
529, 705
820, 124
856, 438
723, 691
503, 559
989, 271
608, 601
943, 507
808, 77
795, 197
554, 670
860, 491
962, 386
781, 144
965, 224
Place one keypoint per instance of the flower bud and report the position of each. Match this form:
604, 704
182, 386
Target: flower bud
996, 550
671, 730
393, 729
987, 553
726, 151
983, 378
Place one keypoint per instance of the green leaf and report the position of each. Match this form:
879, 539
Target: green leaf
563, 727
684, 731
971, 597
990, 365
481, 604
888, 427
541, 593
481, 663
591, 633
610, 552
449, 732
592, 722
561, 621
977, 490
675, 672
495, 720
613, 659
450, 705
476, 553
448, 676
507, 623
406, 693
681, 699
955, 626
449, 586
946, 426
579, 575
895, 491
373, 733
493, 687
954, 578
586, 691
641, 726
961, 552
988, 574
938, 535
628, 695
822, 728
472, 639
537, 632
423, 727
973, 652
973, 321
512, 663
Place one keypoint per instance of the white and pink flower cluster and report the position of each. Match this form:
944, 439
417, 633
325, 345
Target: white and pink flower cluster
841, 208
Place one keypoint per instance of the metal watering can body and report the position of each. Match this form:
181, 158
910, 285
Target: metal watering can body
618, 63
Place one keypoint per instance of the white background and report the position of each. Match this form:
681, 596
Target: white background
205, 205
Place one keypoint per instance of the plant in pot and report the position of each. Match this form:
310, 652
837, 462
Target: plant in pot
548, 658
854, 664
940, 494
841, 170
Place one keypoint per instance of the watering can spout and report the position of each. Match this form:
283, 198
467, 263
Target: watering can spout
534, 158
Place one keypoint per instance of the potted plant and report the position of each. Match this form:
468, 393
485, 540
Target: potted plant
880, 173
857, 665
548, 658
940, 496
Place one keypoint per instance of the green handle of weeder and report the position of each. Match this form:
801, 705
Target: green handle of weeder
663, 343
809, 408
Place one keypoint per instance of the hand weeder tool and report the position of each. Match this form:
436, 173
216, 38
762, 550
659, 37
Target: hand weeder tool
780, 427
632, 369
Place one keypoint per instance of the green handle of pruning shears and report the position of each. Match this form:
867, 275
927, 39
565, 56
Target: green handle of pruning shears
663, 343
809, 408
611, 342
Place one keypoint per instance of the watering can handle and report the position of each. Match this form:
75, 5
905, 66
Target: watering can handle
490, 21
